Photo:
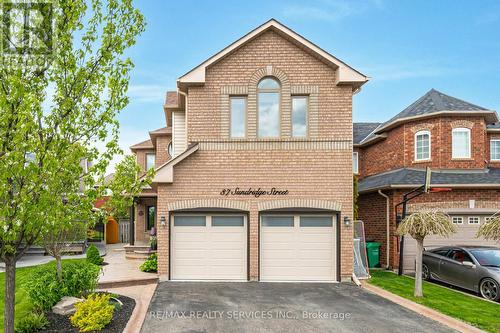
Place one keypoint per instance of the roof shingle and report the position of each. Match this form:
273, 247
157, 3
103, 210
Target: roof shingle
362, 130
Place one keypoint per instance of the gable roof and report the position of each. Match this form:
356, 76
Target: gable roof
434, 103
146, 144
346, 74
412, 177
361, 130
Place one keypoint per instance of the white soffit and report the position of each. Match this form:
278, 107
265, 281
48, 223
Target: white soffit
346, 74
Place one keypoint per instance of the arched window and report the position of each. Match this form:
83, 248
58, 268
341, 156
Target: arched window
422, 145
460, 143
268, 96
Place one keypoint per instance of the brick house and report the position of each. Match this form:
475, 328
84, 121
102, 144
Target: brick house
460, 141
253, 168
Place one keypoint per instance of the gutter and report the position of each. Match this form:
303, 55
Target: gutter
388, 223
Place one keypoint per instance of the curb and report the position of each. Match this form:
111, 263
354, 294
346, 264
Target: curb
127, 283
423, 310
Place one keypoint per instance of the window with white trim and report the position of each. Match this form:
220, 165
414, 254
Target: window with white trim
355, 162
422, 146
150, 161
299, 116
488, 219
268, 96
473, 220
495, 149
457, 220
238, 117
460, 143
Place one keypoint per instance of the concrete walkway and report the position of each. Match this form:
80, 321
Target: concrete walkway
35, 260
120, 271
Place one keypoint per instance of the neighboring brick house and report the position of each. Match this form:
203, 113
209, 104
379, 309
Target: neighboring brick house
458, 140
259, 186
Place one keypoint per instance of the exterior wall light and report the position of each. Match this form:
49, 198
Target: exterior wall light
347, 221
163, 221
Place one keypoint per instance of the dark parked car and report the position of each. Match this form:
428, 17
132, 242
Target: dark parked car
475, 268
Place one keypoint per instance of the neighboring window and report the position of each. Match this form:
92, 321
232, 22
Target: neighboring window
495, 149
228, 221
169, 149
422, 145
459, 255
150, 161
150, 217
457, 220
460, 143
238, 117
269, 108
316, 221
190, 221
299, 116
473, 220
355, 161
277, 221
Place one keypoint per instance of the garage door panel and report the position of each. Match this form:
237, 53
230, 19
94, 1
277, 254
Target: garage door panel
209, 252
298, 253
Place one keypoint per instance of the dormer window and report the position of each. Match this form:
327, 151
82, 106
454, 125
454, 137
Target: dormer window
268, 96
460, 143
422, 146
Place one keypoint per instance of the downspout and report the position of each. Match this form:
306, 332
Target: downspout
388, 223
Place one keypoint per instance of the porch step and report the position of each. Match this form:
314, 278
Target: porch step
138, 254
128, 282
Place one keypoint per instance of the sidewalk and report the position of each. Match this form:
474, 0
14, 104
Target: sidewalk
35, 260
120, 271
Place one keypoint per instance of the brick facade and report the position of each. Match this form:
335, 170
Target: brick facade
316, 171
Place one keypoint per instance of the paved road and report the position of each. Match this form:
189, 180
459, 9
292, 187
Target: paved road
277, 307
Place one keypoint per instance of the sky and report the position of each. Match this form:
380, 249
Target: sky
406, 47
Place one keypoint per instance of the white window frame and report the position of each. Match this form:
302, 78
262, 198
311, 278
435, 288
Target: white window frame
474, 217
269, 90
457, 218
355, 157
154, 162
245, 120
458, 130
306, 97
491, 149
420, 133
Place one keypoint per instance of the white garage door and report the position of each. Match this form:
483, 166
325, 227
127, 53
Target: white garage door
209, 247
297, 248
467, 226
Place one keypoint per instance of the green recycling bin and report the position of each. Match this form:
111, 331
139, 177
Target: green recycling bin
373, 254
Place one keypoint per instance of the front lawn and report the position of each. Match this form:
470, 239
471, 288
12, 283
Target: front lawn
23, 304
479, 313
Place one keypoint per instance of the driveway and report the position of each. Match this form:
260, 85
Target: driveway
277, 307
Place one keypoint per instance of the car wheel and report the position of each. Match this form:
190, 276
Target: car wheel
490, 289
426, 273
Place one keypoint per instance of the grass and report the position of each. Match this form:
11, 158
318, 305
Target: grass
23, 304
477, 312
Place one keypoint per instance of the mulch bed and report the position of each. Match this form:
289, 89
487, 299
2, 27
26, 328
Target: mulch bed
59, 323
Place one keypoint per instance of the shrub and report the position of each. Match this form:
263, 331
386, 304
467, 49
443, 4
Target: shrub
33, 322
151, 264
93, 255
45, 290
93, 314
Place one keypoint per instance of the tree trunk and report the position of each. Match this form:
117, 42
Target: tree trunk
59, 267
418, 269
10, 294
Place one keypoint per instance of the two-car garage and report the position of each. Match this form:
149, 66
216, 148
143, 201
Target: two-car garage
292, 247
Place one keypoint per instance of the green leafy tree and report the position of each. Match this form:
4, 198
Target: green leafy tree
126, 184
54, 110
491, 229
420, 225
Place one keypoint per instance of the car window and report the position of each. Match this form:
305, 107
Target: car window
459, 255
487, 257
441, 252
